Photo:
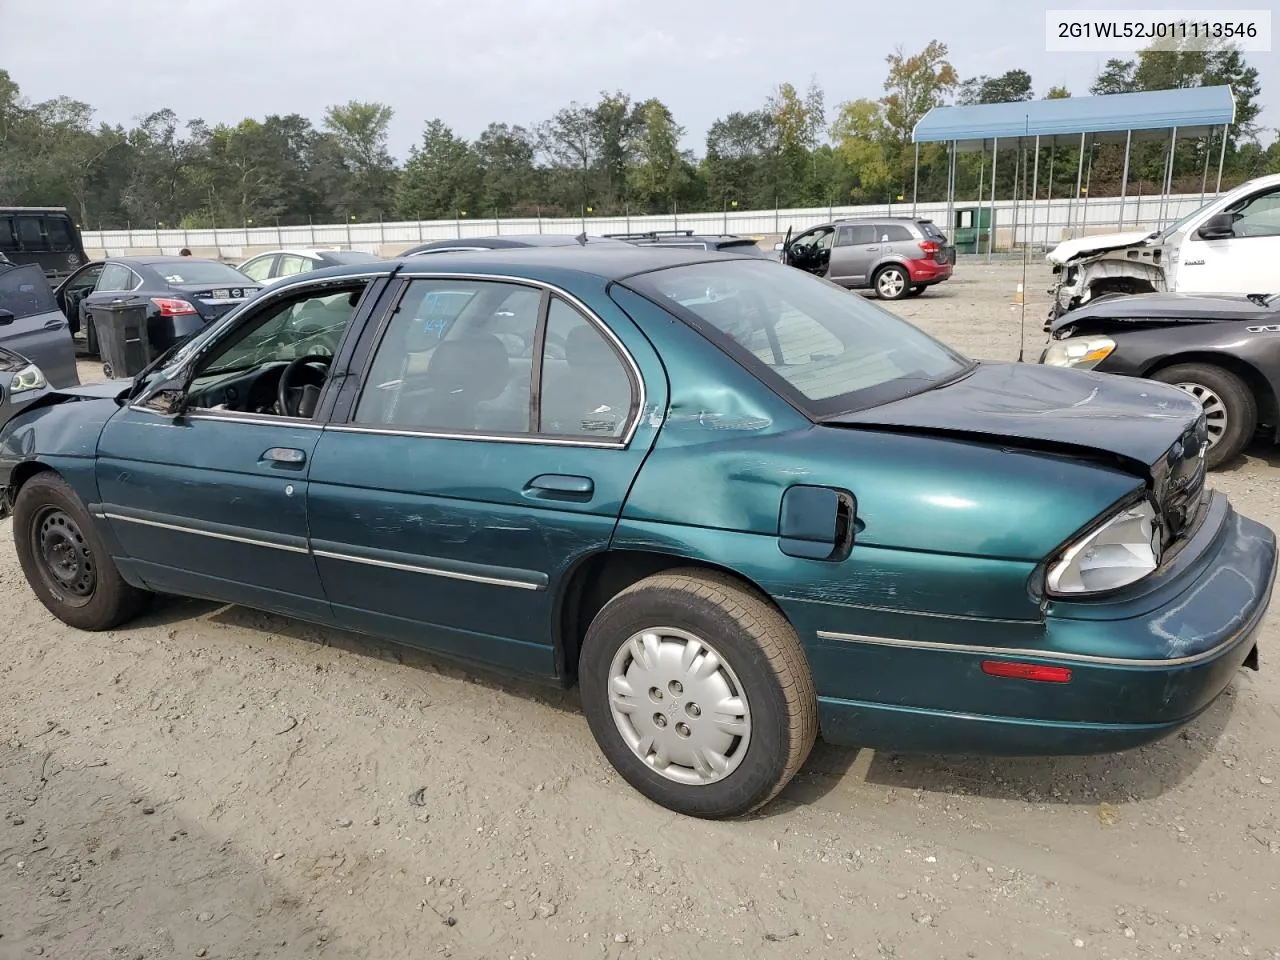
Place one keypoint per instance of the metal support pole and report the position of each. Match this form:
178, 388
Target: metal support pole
1071, 207
951, 193
1088, 182
1019, 170
1221, 157
1035, 194
991, 227
1124, 179
915, 181
1204, 177
1168, 177
1048, 203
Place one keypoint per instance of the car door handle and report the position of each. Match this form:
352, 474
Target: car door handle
556, 486
286, 455
54, 324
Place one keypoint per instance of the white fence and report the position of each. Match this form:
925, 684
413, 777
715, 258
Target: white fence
1042, 224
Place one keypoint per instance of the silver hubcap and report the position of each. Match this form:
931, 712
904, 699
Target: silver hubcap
679, 706
891, 283
1215, 411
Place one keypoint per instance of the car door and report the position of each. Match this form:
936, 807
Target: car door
74, 289
212, 501
115, 281
488, 449
32, 325
1246, 262
853, 254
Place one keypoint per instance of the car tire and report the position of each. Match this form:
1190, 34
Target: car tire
65, 559
675, 638
891, 282
916, 291
1231, 411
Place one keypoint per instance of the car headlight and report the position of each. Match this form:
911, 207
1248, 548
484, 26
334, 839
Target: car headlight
1083, 353
1122, 551
27, 379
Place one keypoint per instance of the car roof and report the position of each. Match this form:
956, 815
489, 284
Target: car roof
540, 264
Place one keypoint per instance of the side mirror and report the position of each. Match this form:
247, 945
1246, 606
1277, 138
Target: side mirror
6, 317
1218, 227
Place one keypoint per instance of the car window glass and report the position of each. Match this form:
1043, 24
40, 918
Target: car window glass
894, 233
291, 265
1257, 216
25, 292
844, 236
585, 389
59, 234
259, 269
310, 326
457, 357
115, 276
30, 233
825, 239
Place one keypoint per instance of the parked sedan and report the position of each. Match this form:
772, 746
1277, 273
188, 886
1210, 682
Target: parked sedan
267, 268
736, 505
31, 324
181, 294
1223, 350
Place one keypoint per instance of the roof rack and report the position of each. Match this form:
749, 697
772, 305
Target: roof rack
648, 235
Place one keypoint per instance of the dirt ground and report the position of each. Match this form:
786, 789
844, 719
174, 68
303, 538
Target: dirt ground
214, 782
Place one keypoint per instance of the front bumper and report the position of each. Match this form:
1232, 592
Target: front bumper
1141, 666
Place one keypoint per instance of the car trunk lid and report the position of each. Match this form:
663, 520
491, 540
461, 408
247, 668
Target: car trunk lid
213, 301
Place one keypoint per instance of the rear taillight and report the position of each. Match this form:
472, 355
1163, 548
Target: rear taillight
169, 307
930, 246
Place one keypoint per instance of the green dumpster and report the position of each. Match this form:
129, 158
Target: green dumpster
972, 227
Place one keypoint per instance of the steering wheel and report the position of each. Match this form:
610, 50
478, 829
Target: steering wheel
285, 388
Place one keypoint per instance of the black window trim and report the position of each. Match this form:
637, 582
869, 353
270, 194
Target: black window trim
344, 423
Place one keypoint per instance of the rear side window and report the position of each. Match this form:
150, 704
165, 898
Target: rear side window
894, 232
25, 292
116, 276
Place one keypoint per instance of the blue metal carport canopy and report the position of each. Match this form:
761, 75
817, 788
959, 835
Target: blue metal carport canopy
1194, 111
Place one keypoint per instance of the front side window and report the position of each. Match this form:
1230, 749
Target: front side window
1257, 216
278, 361
809, 340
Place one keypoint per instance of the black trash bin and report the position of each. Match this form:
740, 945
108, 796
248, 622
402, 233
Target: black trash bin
123, 343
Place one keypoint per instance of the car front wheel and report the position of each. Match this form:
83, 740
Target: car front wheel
1230, 411
698, 692
892, 283
65, 559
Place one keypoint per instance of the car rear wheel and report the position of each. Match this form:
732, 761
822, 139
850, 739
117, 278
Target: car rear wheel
891, 283
916, 291
1230, 411
65, 560
698, 693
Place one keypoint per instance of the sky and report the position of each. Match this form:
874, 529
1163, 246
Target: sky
476, 61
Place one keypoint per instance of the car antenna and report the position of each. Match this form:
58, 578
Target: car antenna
1022, 320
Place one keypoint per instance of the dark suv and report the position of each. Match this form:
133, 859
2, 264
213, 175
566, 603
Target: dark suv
46, 236
895, 256
688, 240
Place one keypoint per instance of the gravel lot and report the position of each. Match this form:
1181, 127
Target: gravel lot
215, 782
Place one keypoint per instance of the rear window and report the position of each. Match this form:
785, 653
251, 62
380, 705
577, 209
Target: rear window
894, 232
202, 271
809, 340
931, 229
25, 292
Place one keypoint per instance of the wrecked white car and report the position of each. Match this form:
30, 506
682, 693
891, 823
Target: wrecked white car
1231, 245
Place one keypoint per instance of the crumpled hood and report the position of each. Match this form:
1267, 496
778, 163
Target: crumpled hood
1034, 404
1068, 250
103, 390
1170, 307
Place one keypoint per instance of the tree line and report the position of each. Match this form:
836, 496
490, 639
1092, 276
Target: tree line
616, 155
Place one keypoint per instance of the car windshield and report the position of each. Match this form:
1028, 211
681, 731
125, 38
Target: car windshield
1177, 225
202, 271
826, 350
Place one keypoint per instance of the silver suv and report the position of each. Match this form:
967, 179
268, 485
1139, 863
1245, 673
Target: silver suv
895, 256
